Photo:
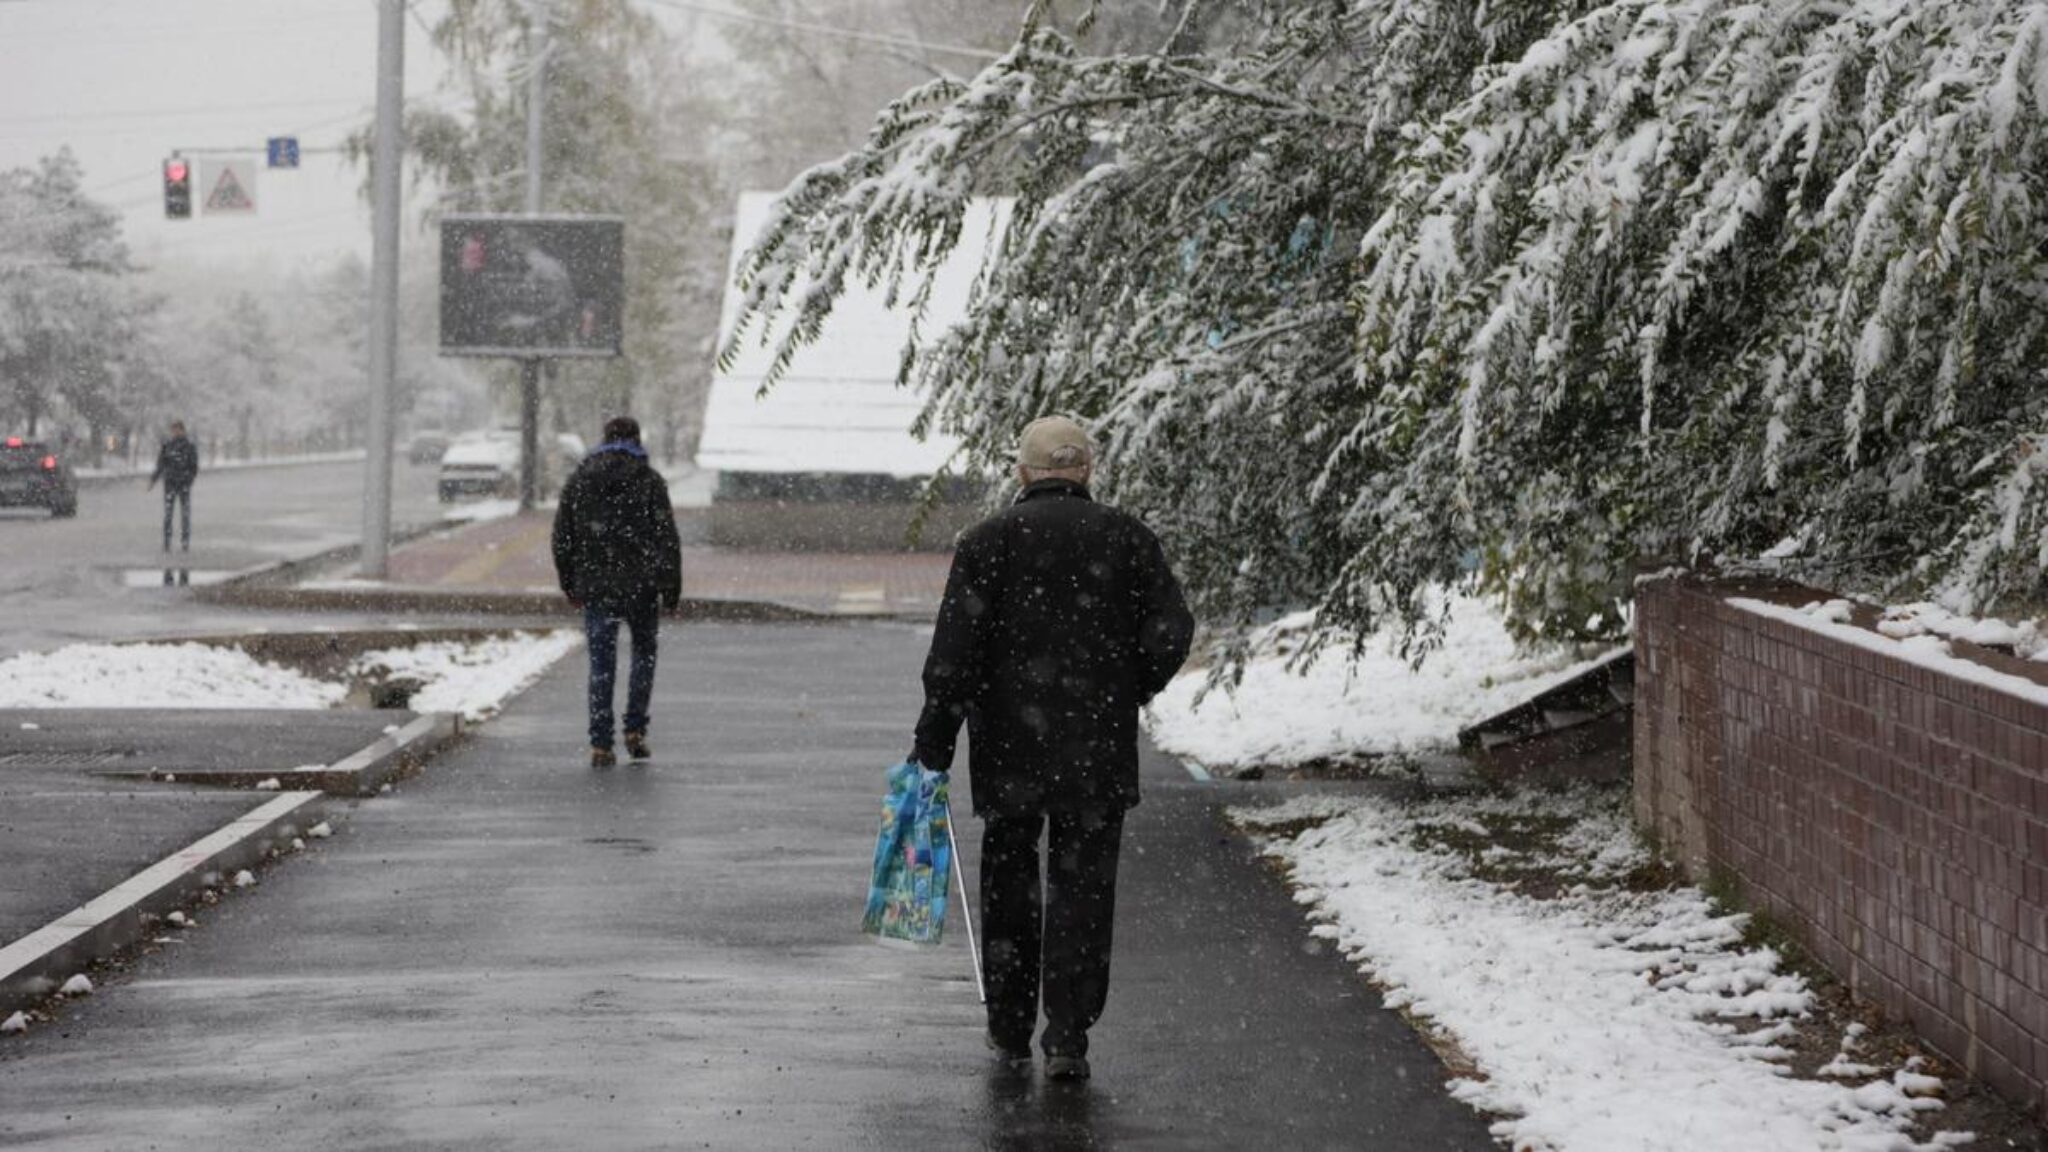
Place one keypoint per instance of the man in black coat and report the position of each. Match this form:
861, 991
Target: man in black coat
619, 559
177, 465
1061, 618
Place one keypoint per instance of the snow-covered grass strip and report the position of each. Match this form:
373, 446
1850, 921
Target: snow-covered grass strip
1599, 1017
1343, 706
471, 679
157, 676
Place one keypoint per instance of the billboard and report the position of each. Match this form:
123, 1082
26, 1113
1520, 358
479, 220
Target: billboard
532, 286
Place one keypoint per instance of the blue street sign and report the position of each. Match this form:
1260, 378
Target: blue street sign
284, 151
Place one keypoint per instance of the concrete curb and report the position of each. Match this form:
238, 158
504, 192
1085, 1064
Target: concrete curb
33, 966
417, 600
359, 774
285, 573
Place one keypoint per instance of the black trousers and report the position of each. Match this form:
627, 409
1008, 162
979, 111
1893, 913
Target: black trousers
1053, 935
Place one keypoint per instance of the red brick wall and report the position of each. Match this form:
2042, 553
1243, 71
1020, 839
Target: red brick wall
1894, 817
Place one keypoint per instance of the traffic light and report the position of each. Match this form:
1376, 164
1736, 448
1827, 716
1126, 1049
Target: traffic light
177, 189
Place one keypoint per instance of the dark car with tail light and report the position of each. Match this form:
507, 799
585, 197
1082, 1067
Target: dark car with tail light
34, 475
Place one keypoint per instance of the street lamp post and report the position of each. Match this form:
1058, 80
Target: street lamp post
386, 157
530, 368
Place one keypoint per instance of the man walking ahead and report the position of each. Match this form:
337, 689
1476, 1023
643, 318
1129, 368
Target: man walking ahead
619, 559
1061, 619
177, 465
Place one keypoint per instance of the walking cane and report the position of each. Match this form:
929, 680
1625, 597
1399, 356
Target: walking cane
973, 949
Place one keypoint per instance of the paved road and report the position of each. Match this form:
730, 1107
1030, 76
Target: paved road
517, 952
99, 576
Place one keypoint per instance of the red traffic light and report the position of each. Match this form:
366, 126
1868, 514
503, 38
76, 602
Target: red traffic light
49, 463
177, 189
14, 441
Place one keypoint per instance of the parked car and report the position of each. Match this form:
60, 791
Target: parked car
485, 464
33, 475
426, 448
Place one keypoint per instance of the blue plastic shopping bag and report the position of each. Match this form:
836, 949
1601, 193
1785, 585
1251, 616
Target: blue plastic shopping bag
913, 858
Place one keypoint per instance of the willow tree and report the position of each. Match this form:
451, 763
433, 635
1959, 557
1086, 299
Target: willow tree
1369, 297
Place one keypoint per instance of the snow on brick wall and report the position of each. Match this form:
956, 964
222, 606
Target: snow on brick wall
1891, 809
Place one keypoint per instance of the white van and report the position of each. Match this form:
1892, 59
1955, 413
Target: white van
480, 464
487, 464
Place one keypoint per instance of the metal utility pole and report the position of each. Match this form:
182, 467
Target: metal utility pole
529, 368
385, 158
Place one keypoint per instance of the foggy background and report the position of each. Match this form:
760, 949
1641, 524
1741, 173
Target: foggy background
253, 328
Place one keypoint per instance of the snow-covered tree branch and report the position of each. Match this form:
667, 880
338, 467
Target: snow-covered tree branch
1371, 296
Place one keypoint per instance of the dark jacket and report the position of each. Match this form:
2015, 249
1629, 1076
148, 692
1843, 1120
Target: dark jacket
1061, 619
615, 533
177, 465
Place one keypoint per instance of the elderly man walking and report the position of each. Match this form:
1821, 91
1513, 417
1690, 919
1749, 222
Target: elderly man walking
619, 558
1061, 618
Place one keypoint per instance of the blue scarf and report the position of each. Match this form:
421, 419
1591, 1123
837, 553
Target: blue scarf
626, 446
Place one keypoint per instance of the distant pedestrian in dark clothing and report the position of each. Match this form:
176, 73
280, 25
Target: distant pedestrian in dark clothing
177, 465
620, 560
1061, 618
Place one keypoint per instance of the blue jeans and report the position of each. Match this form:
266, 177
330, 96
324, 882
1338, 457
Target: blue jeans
177, 498
601, 630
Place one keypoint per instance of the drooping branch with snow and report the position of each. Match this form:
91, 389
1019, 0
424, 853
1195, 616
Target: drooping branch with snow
1365, 297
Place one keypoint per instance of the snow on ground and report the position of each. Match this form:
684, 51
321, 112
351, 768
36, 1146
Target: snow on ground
1600, 1019
1338, 706
472, 679
156, 676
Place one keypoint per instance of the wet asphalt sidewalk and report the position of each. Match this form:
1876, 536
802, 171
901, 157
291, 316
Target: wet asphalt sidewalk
515, 951
75, 819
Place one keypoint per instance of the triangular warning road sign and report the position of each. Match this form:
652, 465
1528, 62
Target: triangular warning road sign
228, 195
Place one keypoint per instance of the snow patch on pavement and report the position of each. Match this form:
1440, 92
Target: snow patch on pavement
1340, 705
1599, 1019
472, 679
156, 676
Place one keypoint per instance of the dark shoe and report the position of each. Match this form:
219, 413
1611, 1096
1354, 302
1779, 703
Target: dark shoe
636, 746
602, 758
1014, 1057
1066, 1067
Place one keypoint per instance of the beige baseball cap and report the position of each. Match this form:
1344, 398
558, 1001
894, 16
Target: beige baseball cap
1043, 440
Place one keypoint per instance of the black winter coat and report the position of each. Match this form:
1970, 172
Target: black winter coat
1061, 619
615, 534
177, 465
